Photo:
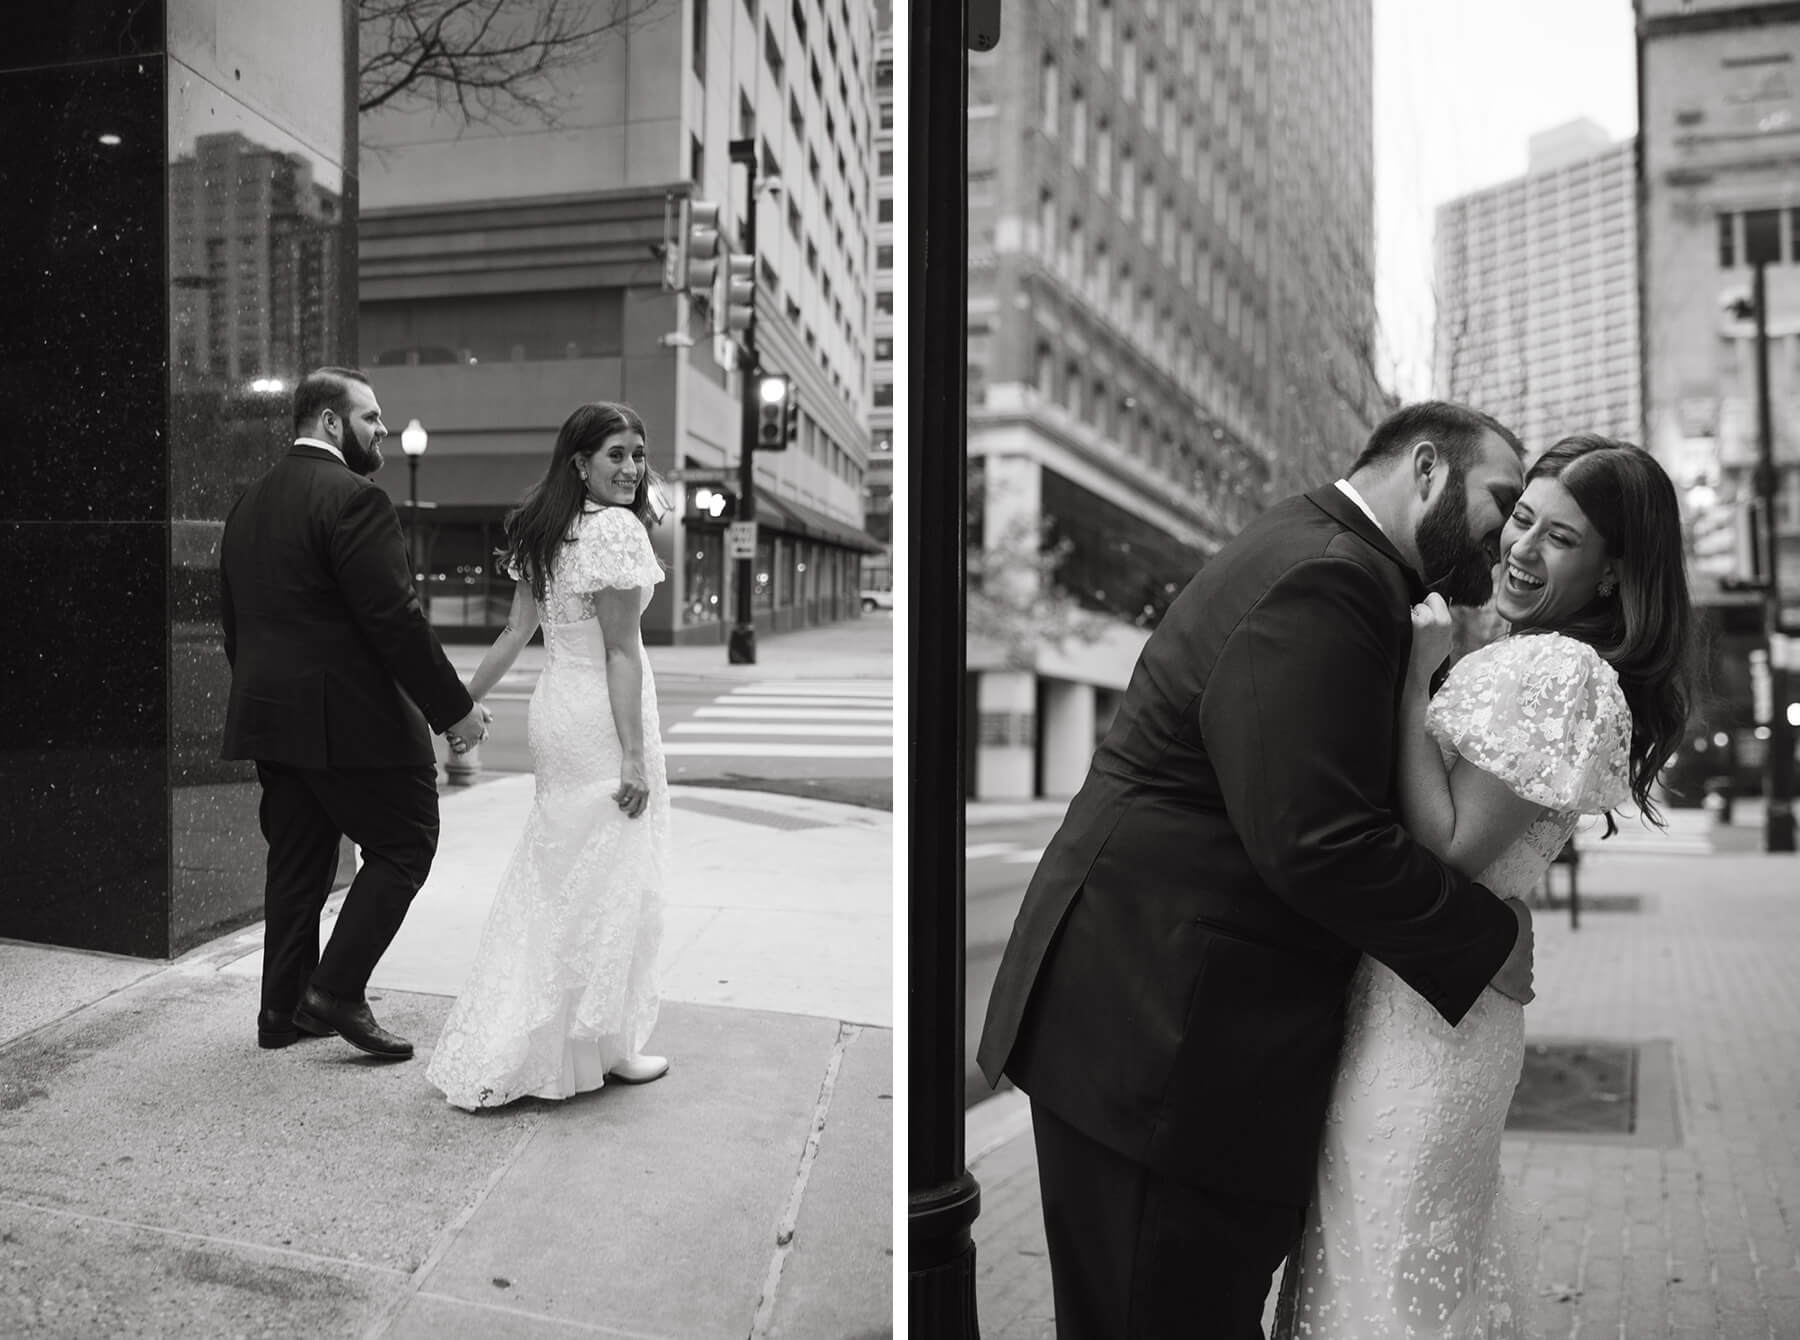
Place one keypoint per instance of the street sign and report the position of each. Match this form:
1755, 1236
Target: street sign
725, 352
740, 540
700, 474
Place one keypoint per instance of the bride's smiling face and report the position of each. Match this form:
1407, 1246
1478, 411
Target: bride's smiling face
1552, 559
616, 468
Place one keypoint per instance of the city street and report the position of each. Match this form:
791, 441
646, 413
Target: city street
772, 726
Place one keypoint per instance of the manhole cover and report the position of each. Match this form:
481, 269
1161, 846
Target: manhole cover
1576, 1088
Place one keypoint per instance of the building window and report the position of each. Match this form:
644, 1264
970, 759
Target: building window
772, 53
700, 40
799, 17
1727, 241
884, 257
1103, 22
696, 163
1077, 127
1049, 96
746, 116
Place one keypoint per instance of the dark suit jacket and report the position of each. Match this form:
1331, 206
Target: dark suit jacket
328, 646
1174, 985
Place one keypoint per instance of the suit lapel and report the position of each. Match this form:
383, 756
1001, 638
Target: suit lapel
1331, 501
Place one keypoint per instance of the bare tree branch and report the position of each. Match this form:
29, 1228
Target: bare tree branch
489, 60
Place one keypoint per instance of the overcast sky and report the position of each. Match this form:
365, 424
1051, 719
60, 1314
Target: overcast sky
1460, 88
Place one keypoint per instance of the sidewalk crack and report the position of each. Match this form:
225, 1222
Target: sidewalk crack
790, 1214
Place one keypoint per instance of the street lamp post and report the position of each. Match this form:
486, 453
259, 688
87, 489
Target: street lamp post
1762, 245
742, 648
412, 441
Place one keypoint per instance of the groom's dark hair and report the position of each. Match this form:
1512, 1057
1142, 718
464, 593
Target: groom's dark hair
324, 389
1456, 429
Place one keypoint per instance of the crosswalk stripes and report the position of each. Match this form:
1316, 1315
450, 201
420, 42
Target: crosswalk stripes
790, 719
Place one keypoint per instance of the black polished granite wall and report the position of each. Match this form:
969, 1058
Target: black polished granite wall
180, 246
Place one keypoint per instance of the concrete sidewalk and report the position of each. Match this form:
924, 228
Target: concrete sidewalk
1689, 1234
162, 1176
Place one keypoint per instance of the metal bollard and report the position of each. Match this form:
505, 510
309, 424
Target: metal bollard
463, 769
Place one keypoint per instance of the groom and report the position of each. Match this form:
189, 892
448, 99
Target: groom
332, 664
1172, 997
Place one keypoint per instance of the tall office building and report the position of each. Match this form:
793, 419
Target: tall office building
1170, 311
512, 271
878, 481
1537, 319
1721, 100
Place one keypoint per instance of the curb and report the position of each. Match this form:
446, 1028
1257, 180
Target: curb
994, 1123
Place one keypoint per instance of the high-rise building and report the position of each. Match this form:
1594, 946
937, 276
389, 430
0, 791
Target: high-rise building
512, 270
1537, 319
878, 481
1171, 307
1720, 103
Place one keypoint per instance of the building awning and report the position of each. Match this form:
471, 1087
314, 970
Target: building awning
799, 519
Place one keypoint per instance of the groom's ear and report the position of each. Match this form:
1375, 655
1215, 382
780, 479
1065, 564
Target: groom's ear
1429, 468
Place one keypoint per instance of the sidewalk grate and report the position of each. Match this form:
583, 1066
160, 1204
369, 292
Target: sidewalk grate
1607, 1092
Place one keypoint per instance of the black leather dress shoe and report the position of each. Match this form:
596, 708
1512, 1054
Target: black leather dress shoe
321, 1013
275, 1029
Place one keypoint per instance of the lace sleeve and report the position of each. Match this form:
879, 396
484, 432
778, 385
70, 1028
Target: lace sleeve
1544, 714
611, 549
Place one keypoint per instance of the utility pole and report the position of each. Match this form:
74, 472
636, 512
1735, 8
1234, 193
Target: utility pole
742, 648
1762, 245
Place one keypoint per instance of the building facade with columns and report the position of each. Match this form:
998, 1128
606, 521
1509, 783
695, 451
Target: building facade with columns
1537, 318
1170, 321
513, 270
1719, 90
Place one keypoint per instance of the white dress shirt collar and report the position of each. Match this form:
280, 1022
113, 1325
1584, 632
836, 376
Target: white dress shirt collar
1348, 489
321, 442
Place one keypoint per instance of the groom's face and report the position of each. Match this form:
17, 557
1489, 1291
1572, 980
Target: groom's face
1459, 536
359, 430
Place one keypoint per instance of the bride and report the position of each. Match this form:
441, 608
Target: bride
1571, 715
562, 995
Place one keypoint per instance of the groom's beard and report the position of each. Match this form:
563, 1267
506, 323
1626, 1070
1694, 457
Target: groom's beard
1456, 566
364, 458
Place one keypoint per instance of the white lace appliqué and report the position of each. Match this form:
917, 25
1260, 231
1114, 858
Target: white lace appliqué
564, 982
1410, 1234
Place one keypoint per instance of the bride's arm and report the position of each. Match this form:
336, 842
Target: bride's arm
1464, 816
521, 623
618, 609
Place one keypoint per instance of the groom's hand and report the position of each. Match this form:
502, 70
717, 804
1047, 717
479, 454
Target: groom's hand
471, 730
1514, 978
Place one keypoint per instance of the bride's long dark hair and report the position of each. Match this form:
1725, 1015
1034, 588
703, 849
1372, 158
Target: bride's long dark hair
540, 525
1645, 628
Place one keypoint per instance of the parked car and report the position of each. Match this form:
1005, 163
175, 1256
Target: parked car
876, 600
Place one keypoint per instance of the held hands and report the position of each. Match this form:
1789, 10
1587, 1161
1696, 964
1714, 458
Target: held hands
1514, 978
1432, 632
470, 731
634, 787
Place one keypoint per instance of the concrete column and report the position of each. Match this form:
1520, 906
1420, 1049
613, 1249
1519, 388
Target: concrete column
1068, 732
1006, 735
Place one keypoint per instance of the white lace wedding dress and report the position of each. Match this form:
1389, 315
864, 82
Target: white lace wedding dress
564, 982
1408, 1234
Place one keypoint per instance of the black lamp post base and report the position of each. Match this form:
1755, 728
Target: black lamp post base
742, 648
1778, 827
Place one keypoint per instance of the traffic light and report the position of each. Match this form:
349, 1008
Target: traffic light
740, 292
790, 416
709, 502
700, 240
771, 413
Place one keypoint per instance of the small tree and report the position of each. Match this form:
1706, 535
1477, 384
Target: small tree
492, 60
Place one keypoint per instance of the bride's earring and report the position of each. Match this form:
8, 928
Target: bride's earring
1607, 584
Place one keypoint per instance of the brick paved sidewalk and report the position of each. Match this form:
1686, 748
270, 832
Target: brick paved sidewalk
1698, 1239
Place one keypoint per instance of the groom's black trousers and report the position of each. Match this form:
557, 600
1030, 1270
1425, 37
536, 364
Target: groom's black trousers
1136, 1256
392, 814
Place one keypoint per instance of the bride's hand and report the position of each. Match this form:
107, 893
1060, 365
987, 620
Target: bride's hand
634, 788
1432, 632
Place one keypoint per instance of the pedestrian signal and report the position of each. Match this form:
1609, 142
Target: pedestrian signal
701, 241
